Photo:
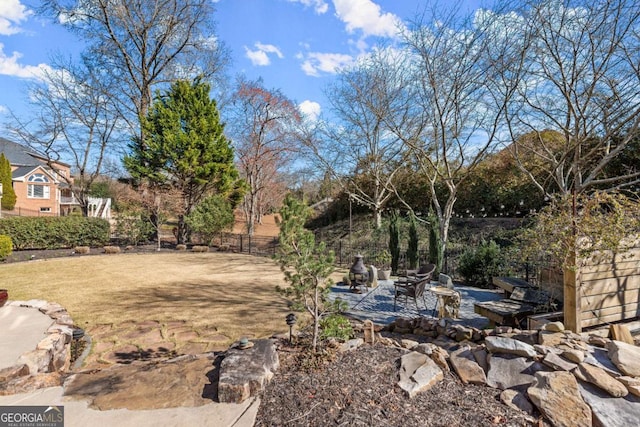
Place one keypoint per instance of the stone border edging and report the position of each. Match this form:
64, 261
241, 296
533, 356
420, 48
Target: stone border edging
53, 352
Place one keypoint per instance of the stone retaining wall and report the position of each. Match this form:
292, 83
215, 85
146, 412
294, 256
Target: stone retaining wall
52, 354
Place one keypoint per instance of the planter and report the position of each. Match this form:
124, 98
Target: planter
384, 274
4, 296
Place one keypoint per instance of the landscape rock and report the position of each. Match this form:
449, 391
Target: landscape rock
440, 356
576, 356
553, 326
516, 400
29, 383
558, 363
509, 346
185, 381
469, 371
243, 373
600, 357
463, 333
52, 308
509, 371
12, 372
600, 378
369, 332
425, 348
632, 384
551, 339
480, 354
111, 250
408, 344
351, 345
625, 356
418, 373
598, 340
609, 412
36, 360
557, 397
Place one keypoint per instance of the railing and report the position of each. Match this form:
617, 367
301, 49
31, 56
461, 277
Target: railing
99, 207
69, 200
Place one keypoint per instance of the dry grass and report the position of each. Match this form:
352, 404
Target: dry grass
235, 294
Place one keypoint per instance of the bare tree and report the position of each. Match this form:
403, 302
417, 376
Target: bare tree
578, 103
75, 120
145, 44
264, 124
360, 150
460, 94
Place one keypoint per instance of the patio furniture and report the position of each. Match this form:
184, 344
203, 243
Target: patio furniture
447, 302
424, 271
413, 286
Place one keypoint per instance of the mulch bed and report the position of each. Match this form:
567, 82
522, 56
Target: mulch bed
359, 388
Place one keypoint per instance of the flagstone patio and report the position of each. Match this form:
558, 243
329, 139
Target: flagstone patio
377, 303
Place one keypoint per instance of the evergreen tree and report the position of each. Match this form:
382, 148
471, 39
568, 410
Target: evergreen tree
9, 195
185, 148
306, 264
394, 241
412, 249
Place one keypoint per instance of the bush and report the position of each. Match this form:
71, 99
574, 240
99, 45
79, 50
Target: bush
133, 228
6, 246
55, 232
336, 326
478, 265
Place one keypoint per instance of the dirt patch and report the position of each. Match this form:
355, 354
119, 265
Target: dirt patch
359, 389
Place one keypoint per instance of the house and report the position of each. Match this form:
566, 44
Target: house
42, 190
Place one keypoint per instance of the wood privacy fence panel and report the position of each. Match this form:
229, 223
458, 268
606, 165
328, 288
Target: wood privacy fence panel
605, 289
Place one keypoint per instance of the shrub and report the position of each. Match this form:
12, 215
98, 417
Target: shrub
336, 326
412, 250
478, 265
133, 227
5, 246
55, 232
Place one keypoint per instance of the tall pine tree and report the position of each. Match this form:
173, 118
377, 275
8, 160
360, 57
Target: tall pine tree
8, 195
185, 148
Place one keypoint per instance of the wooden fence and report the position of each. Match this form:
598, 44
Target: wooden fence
605, 288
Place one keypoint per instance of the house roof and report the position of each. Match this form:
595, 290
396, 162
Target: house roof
19, 155
20, 173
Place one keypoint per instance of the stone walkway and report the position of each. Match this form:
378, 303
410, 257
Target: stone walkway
149, 340
377, 304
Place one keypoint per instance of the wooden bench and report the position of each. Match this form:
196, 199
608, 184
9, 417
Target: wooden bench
506, 311
523, 301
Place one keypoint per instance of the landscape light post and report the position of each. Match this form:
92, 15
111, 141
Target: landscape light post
291, 320
0, 200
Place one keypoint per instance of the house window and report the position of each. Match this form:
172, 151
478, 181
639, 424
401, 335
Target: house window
36, 191
45, 209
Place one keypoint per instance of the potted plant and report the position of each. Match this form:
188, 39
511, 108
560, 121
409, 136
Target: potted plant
383, 260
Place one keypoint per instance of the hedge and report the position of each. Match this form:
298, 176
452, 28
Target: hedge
55, 232
5, 246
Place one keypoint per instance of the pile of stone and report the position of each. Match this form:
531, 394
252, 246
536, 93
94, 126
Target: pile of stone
43, 366
572, 379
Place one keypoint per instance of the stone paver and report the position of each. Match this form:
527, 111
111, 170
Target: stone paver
377, 304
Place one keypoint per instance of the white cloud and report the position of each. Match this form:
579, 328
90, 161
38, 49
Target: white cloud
3, 109
366, 16
310, 109
9, 66
330, 63
12, 13
320, 6
260, 56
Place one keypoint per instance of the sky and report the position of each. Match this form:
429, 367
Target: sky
296, 46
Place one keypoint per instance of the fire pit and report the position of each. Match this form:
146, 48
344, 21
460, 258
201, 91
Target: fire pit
358, 275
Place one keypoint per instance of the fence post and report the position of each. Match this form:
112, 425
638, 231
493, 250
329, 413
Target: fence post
241, 244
